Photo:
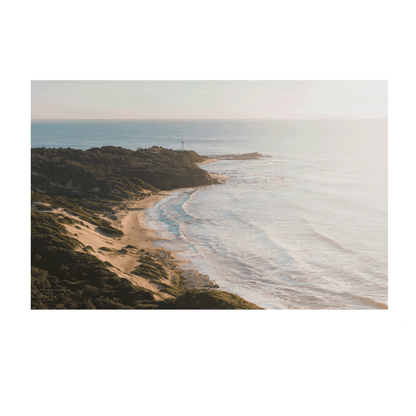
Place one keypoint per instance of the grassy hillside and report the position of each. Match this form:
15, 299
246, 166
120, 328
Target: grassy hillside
91, 186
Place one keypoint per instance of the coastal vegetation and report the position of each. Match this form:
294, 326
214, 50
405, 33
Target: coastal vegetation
64, 278
85, 190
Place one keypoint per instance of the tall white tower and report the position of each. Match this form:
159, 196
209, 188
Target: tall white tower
183, 144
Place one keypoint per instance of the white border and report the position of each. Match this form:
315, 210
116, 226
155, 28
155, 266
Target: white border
24, 316
13, 207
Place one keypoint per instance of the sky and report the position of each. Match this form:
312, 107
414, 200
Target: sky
208, 99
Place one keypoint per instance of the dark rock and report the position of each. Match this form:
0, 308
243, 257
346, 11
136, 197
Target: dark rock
243, 156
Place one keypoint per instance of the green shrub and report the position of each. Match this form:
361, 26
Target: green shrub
111, 231
40, 278
105, 249
67, 220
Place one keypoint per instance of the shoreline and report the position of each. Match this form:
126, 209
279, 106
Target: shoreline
138, 233
118, 239
124, 253
220, 178
207, 161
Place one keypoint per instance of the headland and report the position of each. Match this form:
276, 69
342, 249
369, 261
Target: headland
89, 246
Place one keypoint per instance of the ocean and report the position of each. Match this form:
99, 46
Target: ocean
303, 228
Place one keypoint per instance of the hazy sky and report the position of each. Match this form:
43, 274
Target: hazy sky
208, 99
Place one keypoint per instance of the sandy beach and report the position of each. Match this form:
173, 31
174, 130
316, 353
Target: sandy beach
206, 161
115, 234
124, 253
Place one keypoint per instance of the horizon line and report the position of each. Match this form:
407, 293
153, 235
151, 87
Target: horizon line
213, 119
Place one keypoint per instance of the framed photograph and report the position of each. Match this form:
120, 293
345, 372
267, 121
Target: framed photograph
209, 195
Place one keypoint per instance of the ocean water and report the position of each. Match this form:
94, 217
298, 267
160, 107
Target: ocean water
304, 228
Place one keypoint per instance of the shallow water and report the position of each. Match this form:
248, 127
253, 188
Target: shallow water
303, 228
